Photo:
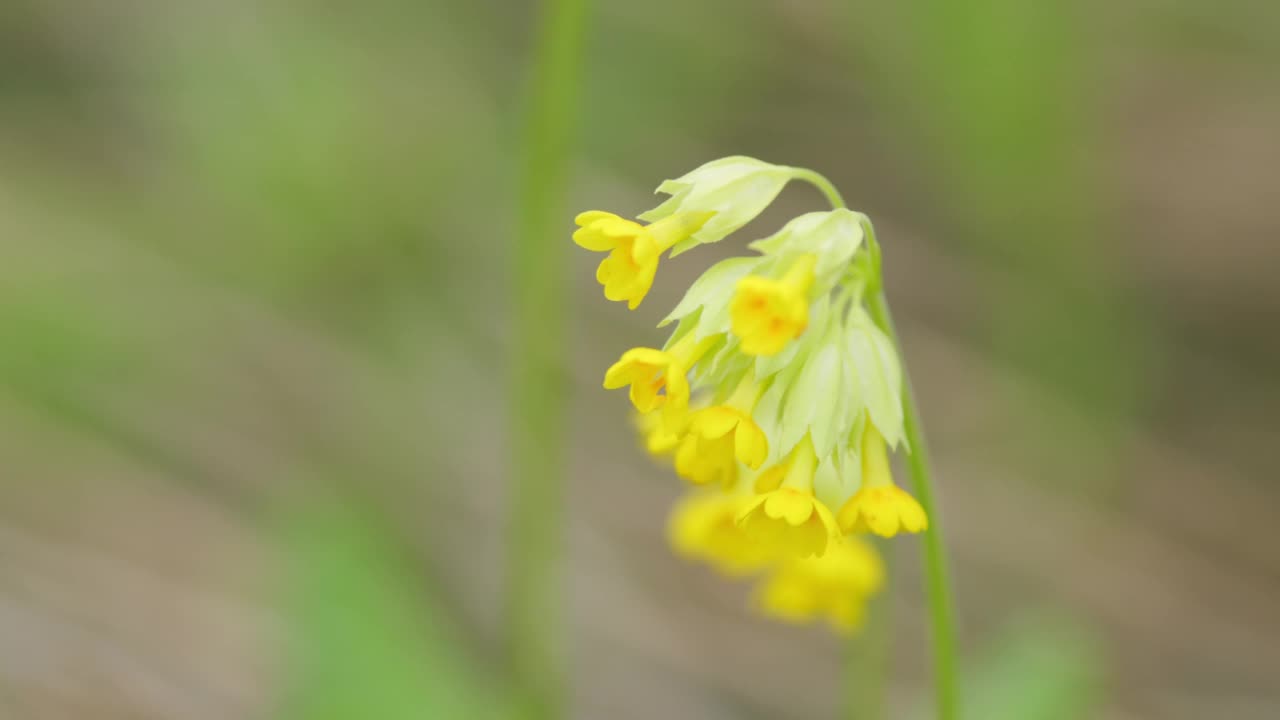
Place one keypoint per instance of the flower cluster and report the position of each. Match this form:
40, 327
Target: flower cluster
776, 395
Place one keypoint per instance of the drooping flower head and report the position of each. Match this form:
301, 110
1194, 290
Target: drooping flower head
777, 393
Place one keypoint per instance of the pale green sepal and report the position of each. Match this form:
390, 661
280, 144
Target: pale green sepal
824, 426
833, 236
879, 373
727, 381
768, 412
767, 365
715, 365
816, 395
854, 402
828, 486
686, 325
848, 464
715, 287
819, 316
765, 416
736, 188
723, 370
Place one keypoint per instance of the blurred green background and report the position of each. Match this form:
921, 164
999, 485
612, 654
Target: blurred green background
255, 326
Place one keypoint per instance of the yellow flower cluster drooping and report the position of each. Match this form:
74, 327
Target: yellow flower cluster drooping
775, 396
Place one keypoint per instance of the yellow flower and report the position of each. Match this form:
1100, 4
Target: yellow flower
767, 314
720, 437
717, 440
627, 272
659, 436
703, 526
835, 586
880, 506
657, 377
785, 515
649, 372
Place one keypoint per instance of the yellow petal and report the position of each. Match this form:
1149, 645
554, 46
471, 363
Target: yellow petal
848, 515
616, 227
751, 446
829, 524
584, 219
912, 514
771, 479
644, 250
644, 397
881, 520
677, 392
789, 505
714, 422
687, 457
641, 283
592, 239
647, 356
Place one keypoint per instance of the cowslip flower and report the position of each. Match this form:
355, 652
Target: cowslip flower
703, 526
658, 377
657, 435
720, 437
785, 514
767, 314
834, 587
880, 506
627, 272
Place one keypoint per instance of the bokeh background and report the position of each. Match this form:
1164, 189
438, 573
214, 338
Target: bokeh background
256, 331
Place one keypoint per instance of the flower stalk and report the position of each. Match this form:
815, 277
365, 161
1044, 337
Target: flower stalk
535, 582
936, 574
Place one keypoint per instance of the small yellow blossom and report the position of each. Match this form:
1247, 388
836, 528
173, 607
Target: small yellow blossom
717, 440
835, 586
880, 506
654, 375
785, 515
767, 314
703, 526
627, 272
660, 437
657, 377
720, 437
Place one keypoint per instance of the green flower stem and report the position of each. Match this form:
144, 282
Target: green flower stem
535, 587
824, 185
937, 583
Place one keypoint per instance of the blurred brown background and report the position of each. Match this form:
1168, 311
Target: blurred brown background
254, 272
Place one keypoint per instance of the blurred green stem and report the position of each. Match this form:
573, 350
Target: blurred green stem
535, 587
937, 582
